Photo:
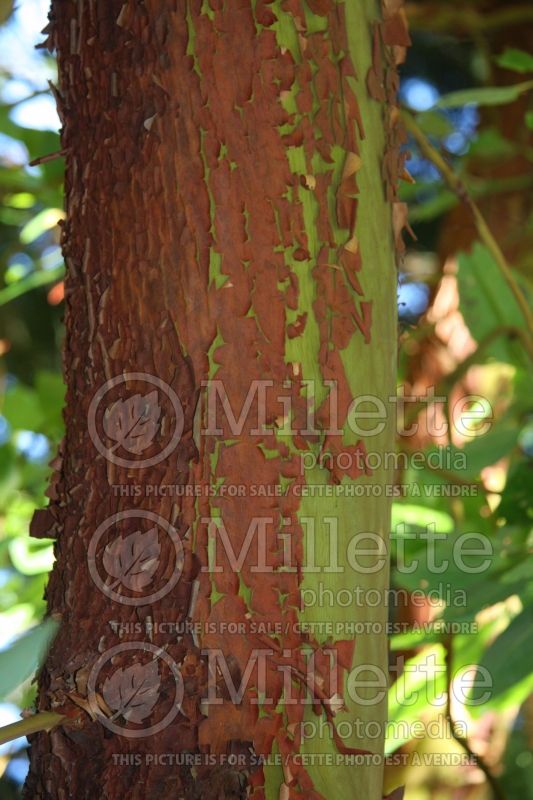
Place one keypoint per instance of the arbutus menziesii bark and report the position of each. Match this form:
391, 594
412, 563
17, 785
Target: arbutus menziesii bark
232, 216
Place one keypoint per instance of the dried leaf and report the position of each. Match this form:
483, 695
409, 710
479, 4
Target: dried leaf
397, 794
133, 559
132, 692
352, 164
133, 423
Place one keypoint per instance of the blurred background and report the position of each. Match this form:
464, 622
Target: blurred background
466, 86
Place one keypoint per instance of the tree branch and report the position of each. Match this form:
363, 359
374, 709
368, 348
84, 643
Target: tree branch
480, 763
43, 721
438, 18
484, 232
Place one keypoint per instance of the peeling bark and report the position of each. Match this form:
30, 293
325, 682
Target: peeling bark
231, 176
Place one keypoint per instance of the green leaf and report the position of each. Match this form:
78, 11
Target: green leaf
21, 200
6, 9
38, 409
30, 557
484, 96
518, 764
529, 120
486, 301
490, 447
409, 698
520, 572
51, 392
506, 659
464, 570
9, 476
18, 515
43, 221
489, 143
35, 279
21, 660
517, 60
434, 123
22, 408
417, 516
515, 506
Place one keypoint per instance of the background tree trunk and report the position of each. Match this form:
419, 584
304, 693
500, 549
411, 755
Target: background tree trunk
231, 169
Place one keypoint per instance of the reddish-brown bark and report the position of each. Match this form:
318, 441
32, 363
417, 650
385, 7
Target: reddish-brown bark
175, 160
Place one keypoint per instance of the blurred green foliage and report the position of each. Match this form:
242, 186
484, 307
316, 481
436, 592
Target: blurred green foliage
498, 600
31, 386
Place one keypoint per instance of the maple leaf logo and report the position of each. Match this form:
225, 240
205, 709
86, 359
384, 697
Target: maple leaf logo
132, 692
133, 423
133, 559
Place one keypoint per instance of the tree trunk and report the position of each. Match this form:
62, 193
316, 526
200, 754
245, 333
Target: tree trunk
229, 242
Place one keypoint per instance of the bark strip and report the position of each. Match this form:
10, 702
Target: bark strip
231, 176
